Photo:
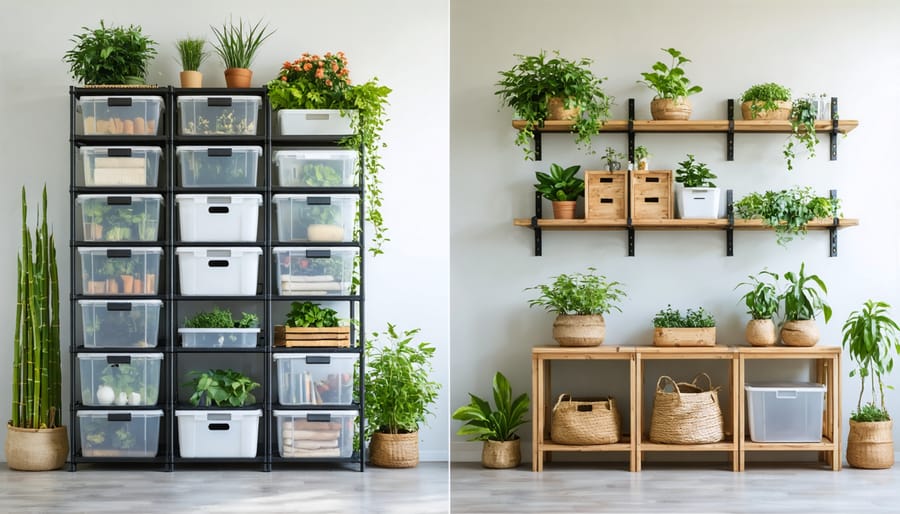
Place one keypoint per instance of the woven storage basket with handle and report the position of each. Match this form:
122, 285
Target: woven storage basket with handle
585, 421
688, 414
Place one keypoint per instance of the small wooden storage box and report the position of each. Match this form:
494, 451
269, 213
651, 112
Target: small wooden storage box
651, 195
312, 336
605, 194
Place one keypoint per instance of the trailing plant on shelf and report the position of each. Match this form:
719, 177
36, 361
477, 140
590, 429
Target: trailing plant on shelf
222, 388
673, 318
534, 80
110, 55
579, 294
765, 98
691, 173
309, 314
803, 130
560, 184
787, 211
871, 337
221, 318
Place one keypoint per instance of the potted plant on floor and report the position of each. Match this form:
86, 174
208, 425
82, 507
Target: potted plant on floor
398, 395
762, 305
672, 88
497, 428
802, 301
541, 87
696, 195
580, 300
191, 54
36, 440
237, 46
769, 101
871, 337
693, 328
110, 56
562, 188
787, 211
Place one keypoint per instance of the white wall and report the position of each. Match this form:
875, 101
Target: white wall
847, 50
408, 285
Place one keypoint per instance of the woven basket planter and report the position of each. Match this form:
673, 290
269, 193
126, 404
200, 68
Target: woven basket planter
686, 415
572, 330
761, 332
783, 112
31, 449
870, 445
585, 421
671, 109
803, 332
501, 454
556, 110
394, 450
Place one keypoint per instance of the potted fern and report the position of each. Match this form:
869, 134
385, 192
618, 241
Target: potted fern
191, 55
237, 46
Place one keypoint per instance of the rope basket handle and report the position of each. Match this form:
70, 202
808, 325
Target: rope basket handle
610, 405
661, 387
560, 400
709, 386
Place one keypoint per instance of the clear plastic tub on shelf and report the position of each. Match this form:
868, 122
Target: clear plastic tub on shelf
203, 433
115, 324
316, 168
218, 271
315, 378
120, 115
120, 217
135, 166
119, 433
327, 218
315, 434
219, 337
218, 166
316, 122
218, 115
119, 271
782, 412
305, 271
119, 378
219, 218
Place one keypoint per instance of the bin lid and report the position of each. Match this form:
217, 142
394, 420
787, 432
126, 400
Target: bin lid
333, 249
82, 198
134, 250
304, 413
186, 330
309, 154
134, 413
104, 99
334, 356
234, 414
106, 149
219, 198
286, 197
203, 98
133, 302
134, 356
203, 149
782, 386
235, 250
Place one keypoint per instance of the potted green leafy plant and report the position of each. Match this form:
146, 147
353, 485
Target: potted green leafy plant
672, 88
398, 395
496, 427
802, 299
641, 154
787, 211
769, 101
541, 87
762, 305
191, 54
310, 324
580, 300
871, 336
237, 46
696, 195
612, 158
562, 188
221, 388
804, 112
36, 440
218, 328
693, 328
110, 55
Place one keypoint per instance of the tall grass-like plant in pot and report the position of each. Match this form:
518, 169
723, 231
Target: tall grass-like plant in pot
803, 299
191, 55
672, 88
35, 437
762, 305
871, 336
237, 46
580, 300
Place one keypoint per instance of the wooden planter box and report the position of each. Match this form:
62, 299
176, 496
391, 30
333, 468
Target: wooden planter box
651, 195
312, 336
605, 195
684, 336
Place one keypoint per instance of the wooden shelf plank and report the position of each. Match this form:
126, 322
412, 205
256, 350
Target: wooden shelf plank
724, 446
673, 224
823, 445
740, 126
614, 447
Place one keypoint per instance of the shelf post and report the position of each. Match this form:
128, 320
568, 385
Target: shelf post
832, 230
536, 137
631, 130
834, 128
729, 232
538, 251
628, 217
729, 145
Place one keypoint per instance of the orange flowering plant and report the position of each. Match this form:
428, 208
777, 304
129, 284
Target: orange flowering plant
311, 82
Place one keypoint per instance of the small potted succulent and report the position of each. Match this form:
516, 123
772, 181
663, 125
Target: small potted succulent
769, 101
696, 195
693, 328
762, 305
110, 55
641, 154
191, 55
803, 299
672, 88
237, 46
562, 188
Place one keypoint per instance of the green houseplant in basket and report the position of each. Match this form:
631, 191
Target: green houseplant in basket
762, 305
110, 55
769, 101
871, 336
672, 88
803, 298
237, 45
562, 188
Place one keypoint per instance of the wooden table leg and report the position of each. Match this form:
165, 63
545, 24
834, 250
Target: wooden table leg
633, 465
637, 410
837, 439
740, 436
734, 376
537, 409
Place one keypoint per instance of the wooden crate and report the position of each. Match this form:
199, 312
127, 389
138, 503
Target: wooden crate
705, 336
605, 195
312, 336
651, 195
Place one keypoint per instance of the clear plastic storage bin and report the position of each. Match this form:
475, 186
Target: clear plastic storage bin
315, 434
120, 218
219, 115
119, 271
218, 433
218, 271
218, 217
302, 271
316, 168
119, 433
119, 378
785, 412
315, 379
218, 166
120, 115
315, 218
136, 166
315, 122
219, 337
111, 324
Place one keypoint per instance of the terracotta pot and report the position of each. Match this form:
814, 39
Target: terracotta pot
32, 449
579, 330
192, 78
556, 110
761, 332
870, 445
671, 109
127, 284
501, 454
564, 210
394, 450
238, 77
783, 112
802, 332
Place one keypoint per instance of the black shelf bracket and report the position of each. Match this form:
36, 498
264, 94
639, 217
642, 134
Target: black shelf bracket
538, 244
536, 137
729, 143
833, 229
729, 232
834, 128
628, 224
630, 132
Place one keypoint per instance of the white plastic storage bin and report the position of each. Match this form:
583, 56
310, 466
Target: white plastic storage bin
120, 115
303, 271
315, 122
316, 168
315, 434
218, 271
136, 166
119, 271
218, 115
697, 202
218, 217
219, 337
785, 412
112, 324
218, 166
315, 378
204, 433
120, 217
119, 433
327, 218
119, 378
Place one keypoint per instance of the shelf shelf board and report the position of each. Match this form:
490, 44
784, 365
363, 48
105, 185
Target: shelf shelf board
824, 445
672, 224
673, 126
724, 446
622, 446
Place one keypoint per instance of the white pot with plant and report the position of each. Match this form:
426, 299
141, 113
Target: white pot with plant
696, 195
672, 88
762, 305
191, 55
562, 188
803, 299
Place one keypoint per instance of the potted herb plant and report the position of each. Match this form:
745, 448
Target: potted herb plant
762, 305
398, 395
870, 335
610, 155
110, 55
310, 324
672, 88
803, 299
787, 211
191, 54
541, 87
804, 112
693, 328
562, 188
769, 101
36, 440
496, 427
696, 195
237, 46
641, 154
580, 300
